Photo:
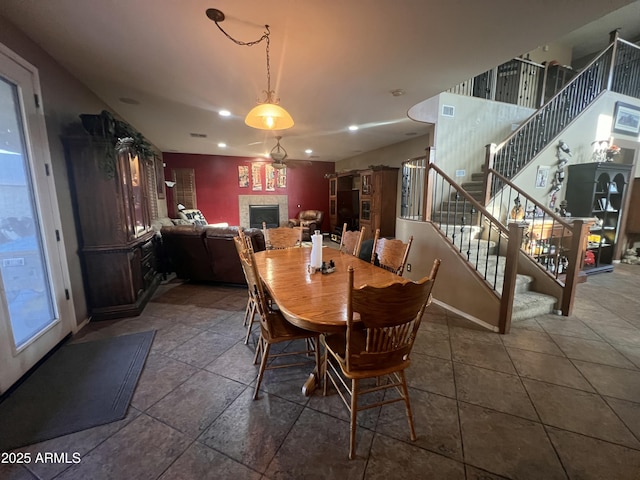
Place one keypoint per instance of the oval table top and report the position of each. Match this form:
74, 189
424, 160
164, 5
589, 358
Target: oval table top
315, 301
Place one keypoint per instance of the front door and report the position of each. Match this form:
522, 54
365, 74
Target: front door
35, 308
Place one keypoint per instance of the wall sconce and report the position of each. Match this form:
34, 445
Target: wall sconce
169, 183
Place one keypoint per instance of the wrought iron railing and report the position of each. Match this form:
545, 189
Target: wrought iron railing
617, 69
477, 236
549, 240
518, 81
554, 245
483, 234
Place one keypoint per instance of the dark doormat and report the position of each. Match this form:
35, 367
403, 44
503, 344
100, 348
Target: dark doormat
82, 385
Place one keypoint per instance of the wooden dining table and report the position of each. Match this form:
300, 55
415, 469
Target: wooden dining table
315, 301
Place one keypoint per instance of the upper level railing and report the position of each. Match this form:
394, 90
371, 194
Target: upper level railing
519, 82
616, 69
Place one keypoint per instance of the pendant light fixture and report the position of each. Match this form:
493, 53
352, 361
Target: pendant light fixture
267, 115
278, 154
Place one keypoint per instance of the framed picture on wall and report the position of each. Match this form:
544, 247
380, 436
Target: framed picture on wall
282, 178
256, 176
626, 119
243, 176
270, 178
542, 176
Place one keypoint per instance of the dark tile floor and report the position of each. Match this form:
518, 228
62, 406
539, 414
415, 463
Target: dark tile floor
556, 398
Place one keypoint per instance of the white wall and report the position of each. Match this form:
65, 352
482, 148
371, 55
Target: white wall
460, 141
391, 156
64, 98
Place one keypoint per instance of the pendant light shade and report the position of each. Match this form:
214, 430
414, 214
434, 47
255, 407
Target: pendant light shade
269, 116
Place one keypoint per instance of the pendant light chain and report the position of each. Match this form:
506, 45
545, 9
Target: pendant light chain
270, 93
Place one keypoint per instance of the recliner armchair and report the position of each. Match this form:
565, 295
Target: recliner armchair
309, 220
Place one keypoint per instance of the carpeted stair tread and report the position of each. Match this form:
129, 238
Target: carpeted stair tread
532, 304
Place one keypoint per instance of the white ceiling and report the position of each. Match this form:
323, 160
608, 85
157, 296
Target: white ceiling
333, 62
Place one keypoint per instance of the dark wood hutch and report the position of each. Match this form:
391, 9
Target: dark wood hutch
111, 206
364, 198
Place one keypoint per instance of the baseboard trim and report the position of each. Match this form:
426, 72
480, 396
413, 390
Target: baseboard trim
466, 316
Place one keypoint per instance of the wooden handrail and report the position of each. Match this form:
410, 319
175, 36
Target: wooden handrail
553, 215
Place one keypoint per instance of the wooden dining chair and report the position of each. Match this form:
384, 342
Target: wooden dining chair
250, 312
282, 237
274, 328
350, 242
245, 240
377, 345
390, 254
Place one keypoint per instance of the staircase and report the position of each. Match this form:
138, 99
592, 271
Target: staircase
459, 213
526, 303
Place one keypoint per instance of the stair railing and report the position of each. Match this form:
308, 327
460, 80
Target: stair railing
518, 81
455, 228
617, 68
555, 244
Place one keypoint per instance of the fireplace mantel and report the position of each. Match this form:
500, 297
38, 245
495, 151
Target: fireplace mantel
245, 200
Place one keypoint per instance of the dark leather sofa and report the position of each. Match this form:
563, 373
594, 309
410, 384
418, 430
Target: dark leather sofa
206, 253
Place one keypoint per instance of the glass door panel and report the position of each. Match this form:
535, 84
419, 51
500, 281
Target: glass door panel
23, 267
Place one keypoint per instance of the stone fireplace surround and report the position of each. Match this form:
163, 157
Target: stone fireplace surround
245, 200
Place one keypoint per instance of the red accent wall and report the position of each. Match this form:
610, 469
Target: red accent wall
217, 186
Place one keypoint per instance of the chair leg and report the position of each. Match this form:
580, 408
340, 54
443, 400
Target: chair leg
407, 403
318, 370
246, 312
325, 369
354, 415
263, 364
258, 350
251, 316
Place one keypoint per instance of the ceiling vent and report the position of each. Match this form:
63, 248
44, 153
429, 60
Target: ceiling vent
198, 135
448, 110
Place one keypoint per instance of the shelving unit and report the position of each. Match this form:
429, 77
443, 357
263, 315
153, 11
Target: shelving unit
378, 201
343, 203
364, 198
599, 190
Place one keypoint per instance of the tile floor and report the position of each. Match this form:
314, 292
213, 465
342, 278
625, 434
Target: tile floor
556, 398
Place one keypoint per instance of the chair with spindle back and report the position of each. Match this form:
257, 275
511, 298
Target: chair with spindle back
350, 242
382, 323
391, 254
274, 328
282, 237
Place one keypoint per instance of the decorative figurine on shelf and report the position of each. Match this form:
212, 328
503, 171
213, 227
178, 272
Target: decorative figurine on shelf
612, 152
517, 212
562, 210
601, 151
589, 259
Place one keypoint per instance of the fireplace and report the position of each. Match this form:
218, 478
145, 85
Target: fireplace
269, 214
244, 201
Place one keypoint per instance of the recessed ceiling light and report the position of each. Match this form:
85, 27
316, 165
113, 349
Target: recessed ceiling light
129, 101
222, 145
224, 113
398, 92
353, 128
308, 151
